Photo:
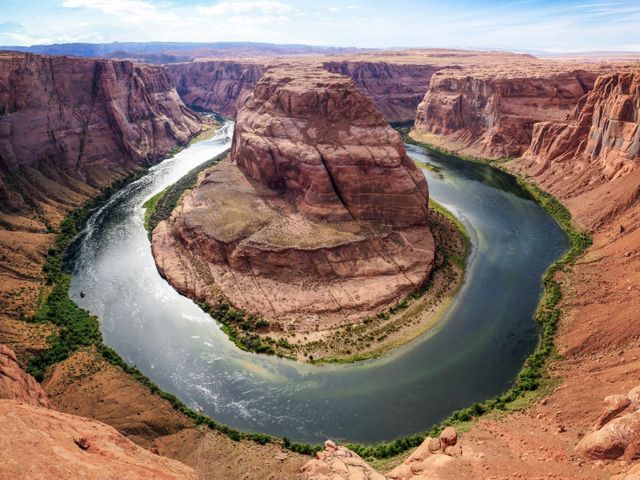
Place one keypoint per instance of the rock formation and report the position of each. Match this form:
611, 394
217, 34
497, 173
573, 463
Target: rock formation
221, 85
319, 219
490, 112
41, 443
617, 430
599, 145
435, 459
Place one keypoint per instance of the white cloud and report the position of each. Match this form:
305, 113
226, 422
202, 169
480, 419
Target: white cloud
129, 10
333, 9
237, 7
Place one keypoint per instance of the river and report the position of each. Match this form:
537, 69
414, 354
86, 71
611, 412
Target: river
474, 353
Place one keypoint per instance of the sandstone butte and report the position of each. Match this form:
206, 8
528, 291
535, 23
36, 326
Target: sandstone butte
319, 218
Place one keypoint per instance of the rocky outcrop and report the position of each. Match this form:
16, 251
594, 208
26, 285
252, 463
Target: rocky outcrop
41, 443
492, 113
320, 218
221, 86
224, 85
396, 89
314, 135
435, 459
617, 430
16, 384
599, 144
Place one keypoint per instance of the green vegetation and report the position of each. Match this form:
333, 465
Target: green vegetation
150, 208
239, 327
76, 327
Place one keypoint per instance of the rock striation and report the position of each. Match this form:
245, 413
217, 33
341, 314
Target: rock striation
491, 112
224, 85
318, 219
599, 144
71, 120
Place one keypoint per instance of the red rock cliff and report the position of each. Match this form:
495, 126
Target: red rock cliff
86, 118
223, 86
493, 112
595, 152
68, 127
316, 135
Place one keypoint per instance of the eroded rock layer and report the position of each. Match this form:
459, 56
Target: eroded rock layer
599, 146
320, 217
492, 112
223, 85
317, 137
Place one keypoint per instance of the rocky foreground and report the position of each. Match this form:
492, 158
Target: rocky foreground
318, 219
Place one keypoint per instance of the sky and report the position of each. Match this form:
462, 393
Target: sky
525, 25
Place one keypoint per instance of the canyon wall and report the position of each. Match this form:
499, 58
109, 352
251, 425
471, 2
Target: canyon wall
599, 145
491, 113
319, 219
69, 120
396, 89
221, 86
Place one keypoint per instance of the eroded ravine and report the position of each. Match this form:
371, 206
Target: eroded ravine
474, 353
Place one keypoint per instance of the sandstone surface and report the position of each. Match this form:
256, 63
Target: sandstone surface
69, 127
320, 218
219, 85
16, 384
395, 88
38, 443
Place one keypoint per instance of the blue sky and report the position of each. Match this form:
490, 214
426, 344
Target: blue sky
533, 25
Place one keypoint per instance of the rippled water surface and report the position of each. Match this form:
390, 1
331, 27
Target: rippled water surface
473, 354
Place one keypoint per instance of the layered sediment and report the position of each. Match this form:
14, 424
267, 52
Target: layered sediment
223, 85
395, 88
490, 112
319, 218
